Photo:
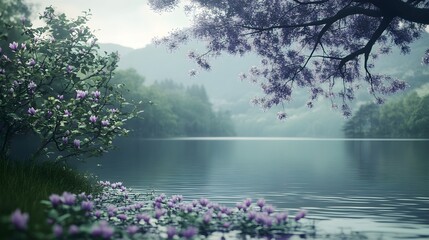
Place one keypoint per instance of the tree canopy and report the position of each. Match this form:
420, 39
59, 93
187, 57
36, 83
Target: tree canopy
326, 46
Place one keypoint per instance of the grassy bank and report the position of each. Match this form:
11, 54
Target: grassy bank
24, 185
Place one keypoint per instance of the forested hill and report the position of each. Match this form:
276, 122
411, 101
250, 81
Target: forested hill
172, 110
407, 117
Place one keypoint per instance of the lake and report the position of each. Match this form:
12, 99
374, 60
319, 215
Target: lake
374, 186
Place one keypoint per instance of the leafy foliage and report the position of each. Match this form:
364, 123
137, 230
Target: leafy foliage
405, 118
54, 84
306, 44
172, 110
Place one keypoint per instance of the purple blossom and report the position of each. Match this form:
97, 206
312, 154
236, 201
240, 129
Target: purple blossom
55, 200
65, 140
13, 46
93, 119
190, 232
251, 215
19, 219
69, 69
269, 209
204, 202
122, 217
281, 217
74, 230
80, 94
31, 62
97, 214
247, 202
87, 206
301, 214
60, 97
133, 229
102, 230
96, 94
114, 110
23, 46
49, 114
67, 113
31, 111
32, 86
76, 143
159, 213
207, 217
57, 230
171, 231
68, 198
261, 203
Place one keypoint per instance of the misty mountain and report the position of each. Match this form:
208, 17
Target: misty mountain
227, 92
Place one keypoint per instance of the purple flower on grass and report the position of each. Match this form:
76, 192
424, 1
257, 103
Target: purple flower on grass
19, 219
76, 143
80, 94
73, 230
31, 111
55, 200
13, 46
58, 230
133, 229
87, 206
190, 232
301, 214
251, 215
93, 119
102, 230
171, 231
68, 198
281, 217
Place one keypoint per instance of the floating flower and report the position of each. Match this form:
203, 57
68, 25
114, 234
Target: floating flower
260, 203
204, 202
76, 143
102, 230
31, 111
133, 229
190, 232
93, 119
19, 219
171, 231
13, 46
301, 214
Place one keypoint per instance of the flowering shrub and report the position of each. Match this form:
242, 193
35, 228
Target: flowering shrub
55, 85
118, 213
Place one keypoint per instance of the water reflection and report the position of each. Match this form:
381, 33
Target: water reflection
382, 182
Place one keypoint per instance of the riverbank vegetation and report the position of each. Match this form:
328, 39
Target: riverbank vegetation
407, 117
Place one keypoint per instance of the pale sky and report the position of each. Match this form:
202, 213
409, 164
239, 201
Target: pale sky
130, 23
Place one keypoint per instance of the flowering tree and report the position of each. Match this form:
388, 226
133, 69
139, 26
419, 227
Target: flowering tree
312, 44
55, 84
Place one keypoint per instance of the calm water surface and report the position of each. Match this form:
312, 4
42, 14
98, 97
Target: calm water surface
377, 187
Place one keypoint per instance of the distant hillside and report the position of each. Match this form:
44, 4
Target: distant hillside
227, 92
112, 47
